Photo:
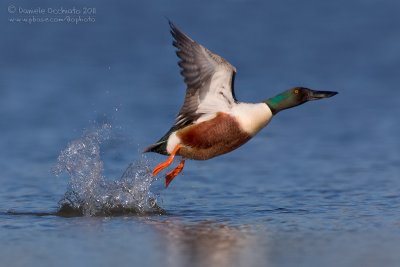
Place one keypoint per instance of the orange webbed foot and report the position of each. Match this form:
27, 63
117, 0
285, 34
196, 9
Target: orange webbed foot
172, 174
166, 163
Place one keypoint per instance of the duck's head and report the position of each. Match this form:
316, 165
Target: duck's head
294, 97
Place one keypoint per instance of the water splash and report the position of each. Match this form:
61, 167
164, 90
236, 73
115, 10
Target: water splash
90, 193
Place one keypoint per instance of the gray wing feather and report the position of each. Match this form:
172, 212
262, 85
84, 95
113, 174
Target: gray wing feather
198, 66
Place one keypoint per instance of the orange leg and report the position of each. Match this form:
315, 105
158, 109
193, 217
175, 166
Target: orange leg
168, 162
172, 174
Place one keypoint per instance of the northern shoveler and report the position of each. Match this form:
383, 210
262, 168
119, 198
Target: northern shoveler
211, 121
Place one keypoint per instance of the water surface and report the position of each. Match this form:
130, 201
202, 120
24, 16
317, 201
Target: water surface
78, 103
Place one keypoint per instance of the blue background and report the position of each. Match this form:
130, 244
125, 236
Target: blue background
318, 187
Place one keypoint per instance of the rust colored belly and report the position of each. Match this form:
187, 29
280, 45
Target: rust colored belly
208, 139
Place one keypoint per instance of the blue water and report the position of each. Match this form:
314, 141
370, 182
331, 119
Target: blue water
320, 186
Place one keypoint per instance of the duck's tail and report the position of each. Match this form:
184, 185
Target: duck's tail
159, 147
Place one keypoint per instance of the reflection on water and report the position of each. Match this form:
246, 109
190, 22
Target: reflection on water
207, 244
211, 244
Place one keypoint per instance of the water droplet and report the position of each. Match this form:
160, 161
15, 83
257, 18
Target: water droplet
90, 193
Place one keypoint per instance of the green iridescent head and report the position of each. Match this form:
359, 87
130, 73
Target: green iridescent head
294, 97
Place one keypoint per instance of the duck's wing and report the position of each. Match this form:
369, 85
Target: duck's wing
209, 79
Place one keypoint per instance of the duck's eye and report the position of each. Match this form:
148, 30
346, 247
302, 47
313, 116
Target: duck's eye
296, 91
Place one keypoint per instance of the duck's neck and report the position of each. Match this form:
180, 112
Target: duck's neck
281, 102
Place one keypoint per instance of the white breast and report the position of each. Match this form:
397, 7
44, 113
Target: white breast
252, 117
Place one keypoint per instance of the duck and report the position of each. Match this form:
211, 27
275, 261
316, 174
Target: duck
211, 121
